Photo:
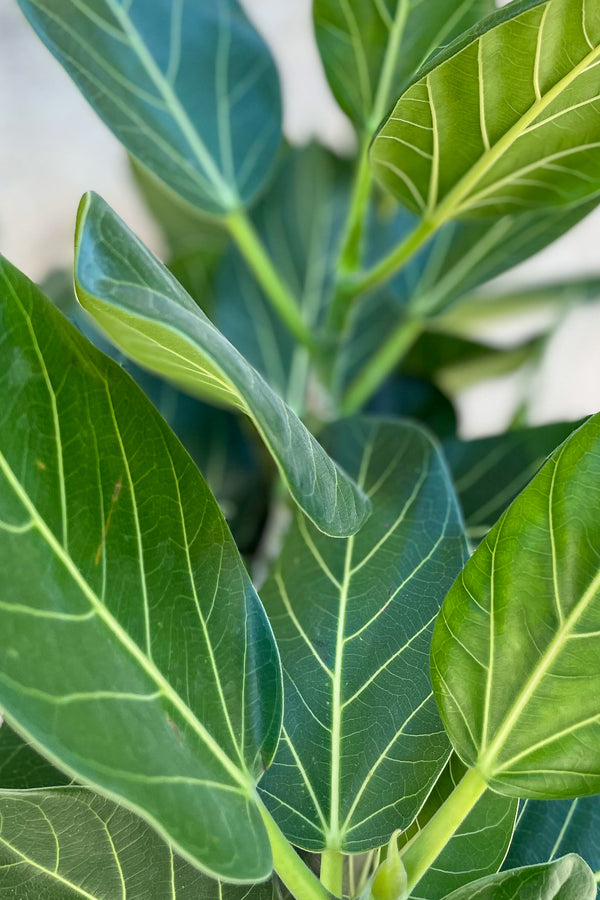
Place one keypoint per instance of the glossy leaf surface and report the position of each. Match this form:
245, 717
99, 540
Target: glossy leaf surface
568, 878
547, 829
456, 145
479, 845
371, 48
514, 653
119, 581
362, 742
489, 473
146, 312
189, 88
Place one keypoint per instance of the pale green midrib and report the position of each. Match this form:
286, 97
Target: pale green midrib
451, 205
487, 761
243, 779
389, 64
228, 196
54, 875
113, 850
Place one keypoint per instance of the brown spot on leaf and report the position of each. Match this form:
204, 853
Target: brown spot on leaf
41, 465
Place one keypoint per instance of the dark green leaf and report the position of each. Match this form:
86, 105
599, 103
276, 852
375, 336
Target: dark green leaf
371, 48
476, 849
299, 220
21, 768
146, 312
514, 653
455, 146
568, 878
490, 472
362, 742
119, 582
404, 397
547, 828
189, 88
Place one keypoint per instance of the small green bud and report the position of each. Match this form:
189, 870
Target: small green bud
390, 880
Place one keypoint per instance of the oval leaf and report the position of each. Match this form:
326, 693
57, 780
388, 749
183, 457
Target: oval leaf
371, 49
362, 742
507, 121
147, 313
515, 649
568, 878
189, 88
126, 612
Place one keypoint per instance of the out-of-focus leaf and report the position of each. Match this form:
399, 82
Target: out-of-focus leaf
490, 472
404, 397
362, 743
515, 648
569, 878
371, 48
126, 612
189, 88
453, 146
476, 849
147, 313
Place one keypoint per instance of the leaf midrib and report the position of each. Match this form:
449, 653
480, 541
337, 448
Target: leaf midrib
450, 207
243, 779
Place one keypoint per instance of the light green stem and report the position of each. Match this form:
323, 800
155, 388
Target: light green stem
332, 871
390, 264
295, 874
350, 256
381, 364
281, 298
420, 854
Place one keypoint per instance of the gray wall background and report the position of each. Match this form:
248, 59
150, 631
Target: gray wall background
53, 148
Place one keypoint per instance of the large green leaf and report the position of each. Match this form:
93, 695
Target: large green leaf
568, 878
476, 849
135, 653
515, 648
60, 842
300, 220
147, 313
371, 48
490, 472
189, 88
362, 742
505, 122
548, 828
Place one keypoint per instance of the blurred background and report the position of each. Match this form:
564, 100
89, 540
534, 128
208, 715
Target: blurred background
53, 148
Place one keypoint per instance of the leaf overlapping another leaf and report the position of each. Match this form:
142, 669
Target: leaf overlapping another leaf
527, 138
568, 878
362, 742
147, 313
141, 64
119, 582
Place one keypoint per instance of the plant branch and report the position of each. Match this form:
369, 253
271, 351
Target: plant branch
390, 264
420, 853
332, 871
281, 298
381, 364
295, 874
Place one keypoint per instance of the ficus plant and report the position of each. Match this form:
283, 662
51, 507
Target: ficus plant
411, 707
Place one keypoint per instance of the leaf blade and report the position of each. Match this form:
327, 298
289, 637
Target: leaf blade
568, 878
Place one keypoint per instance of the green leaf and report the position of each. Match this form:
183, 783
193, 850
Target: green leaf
454, 146
371, 48
21, 768
489, 473
189, 88
568, 878
479, 845
514, 653
362, 742
403, 397
130, 670
146, 312
300, 220
547, 828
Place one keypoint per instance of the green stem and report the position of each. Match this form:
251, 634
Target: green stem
381, 364
350, 256
332, 871
420, 854
297, 877
389, 265
281, 298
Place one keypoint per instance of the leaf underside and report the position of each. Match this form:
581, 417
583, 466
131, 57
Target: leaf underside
569, 878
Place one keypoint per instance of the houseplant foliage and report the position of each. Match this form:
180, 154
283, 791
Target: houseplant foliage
410, 708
